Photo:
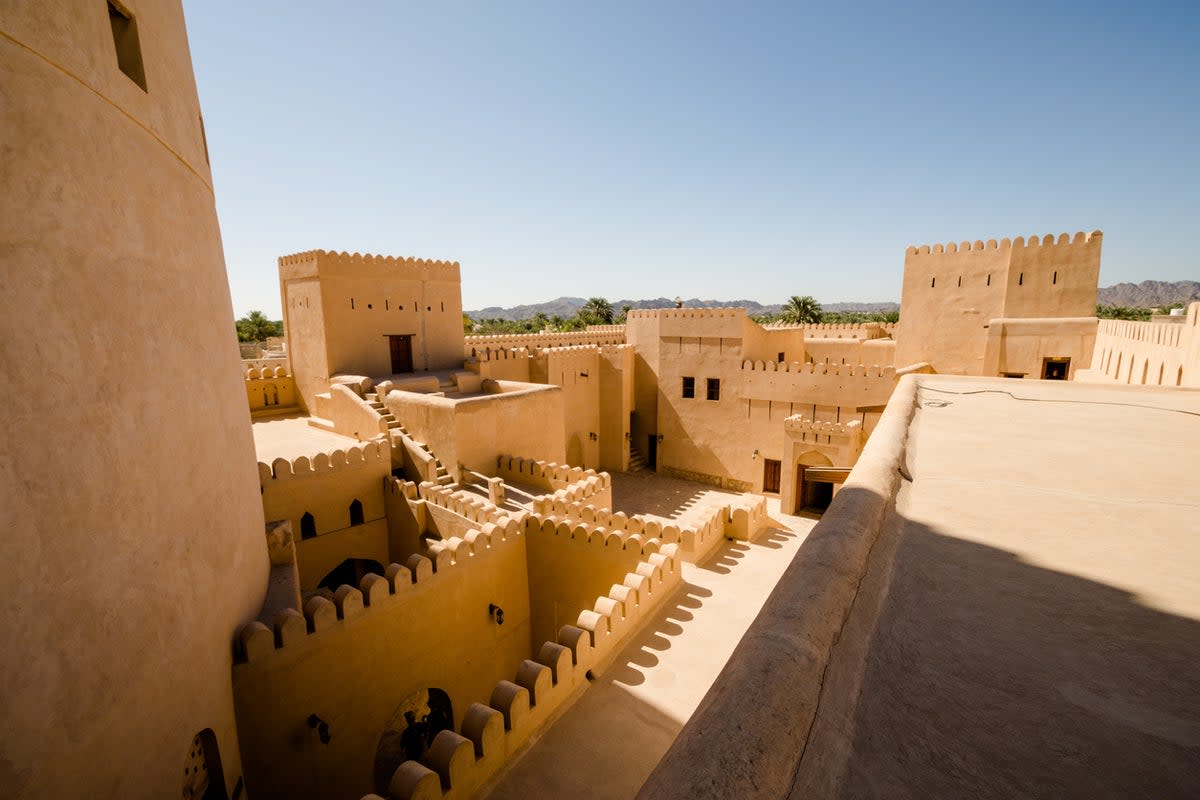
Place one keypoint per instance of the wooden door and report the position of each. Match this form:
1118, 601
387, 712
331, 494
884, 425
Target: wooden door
401, 348
771, 472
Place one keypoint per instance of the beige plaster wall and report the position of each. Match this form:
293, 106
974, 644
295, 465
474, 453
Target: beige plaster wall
504, 365
129, 564
1021, 345
475, 431
435, 632
576, 370
594, 335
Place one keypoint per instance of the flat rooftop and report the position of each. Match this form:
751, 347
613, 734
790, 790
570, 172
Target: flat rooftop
292, 437
1028, 622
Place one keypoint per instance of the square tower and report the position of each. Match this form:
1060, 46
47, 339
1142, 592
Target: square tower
352, 314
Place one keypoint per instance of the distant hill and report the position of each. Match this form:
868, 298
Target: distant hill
1147, 294
567, 306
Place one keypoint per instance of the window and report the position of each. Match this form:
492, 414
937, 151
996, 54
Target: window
714, 388
308, 526
356, 513
689, 387
129, 49
1055, 369
781, 358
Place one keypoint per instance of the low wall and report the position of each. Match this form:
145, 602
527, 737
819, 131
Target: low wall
567, 483
461, 765
596, 334
844, 385
1147, 353
748, 735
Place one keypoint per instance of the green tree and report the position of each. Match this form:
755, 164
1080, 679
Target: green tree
255, 327
1123, 312
468, 325
597, 311
801, 310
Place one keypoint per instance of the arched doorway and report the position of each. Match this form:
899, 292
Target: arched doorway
812, 495
308, 526
410, 731
356, 513
351, 571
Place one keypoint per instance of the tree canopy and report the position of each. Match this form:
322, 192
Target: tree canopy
255, 327
800, 310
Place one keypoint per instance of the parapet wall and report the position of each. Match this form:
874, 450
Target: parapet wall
353, 457
1049, 240
595, 335
800, 425
822, 383
687, 313
566, 482
333, 262
1147, 353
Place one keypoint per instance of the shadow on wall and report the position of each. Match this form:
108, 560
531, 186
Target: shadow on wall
659, 495
981, 676
989, 677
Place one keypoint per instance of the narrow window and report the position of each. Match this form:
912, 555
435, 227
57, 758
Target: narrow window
308, 526
960, 281
689, 387
386, 306
1021, 279
352, 303
932, 282
1055, 281
780, 359
714, 388
443, 306
129, 49
989, 282
356, 513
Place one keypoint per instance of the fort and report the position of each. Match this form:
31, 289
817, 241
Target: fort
686, 556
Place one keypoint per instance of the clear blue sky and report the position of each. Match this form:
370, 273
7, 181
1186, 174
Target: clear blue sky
747, 150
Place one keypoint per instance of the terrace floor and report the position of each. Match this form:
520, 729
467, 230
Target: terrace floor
607, 743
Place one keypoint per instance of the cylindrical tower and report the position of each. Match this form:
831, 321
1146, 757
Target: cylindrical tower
131, 531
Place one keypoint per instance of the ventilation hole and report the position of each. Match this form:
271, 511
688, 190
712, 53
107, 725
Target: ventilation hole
932, 282
989, 282
1055, 278
960, 281
370, 306
352, 303
1021, 279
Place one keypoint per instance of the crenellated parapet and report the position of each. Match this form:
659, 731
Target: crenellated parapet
363, 263
502, 354
532, 342
366, 454
687, 313
1049, 240
820, 368
459, 763
574, 482
799, 425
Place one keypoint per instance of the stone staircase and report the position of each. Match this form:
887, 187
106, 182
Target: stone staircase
636, 462
396, 428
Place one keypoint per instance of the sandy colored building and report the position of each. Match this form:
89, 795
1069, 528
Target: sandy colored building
432, 567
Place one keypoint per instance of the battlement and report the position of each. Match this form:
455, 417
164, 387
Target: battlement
596, 335
1049, 240
820, 368
267, 373
798, 423
573, 482
686, 313
503, 354
694, 540
322, 260
353, 457
592, 534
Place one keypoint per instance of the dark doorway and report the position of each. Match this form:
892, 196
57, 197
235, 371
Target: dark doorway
817, 495
350, 572
308, 526
771, 472
651, 451
1055, 369
401, 349
410, 732
356, 513
203, 777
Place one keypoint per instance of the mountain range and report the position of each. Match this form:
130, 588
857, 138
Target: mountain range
1147, 294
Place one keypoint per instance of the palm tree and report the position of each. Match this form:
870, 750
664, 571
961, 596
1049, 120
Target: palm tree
597, 311
255, 327
801, 310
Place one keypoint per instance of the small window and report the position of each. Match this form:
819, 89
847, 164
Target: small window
932, 282
356, 513
689, 387
989, 280
351, 303
960, 281
308, 526
781, 358
129, 49
714, 388
1055, 281
1056, 369
1021, 279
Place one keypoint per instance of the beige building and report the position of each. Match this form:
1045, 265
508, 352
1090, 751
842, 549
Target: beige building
428, 569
